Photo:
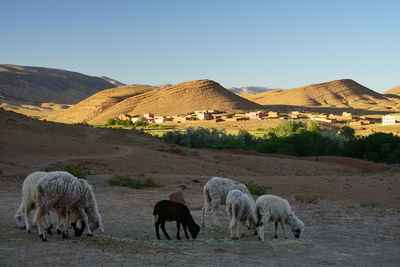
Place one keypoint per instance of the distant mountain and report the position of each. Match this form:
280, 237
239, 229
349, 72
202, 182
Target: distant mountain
178, 99
344, 93
114, 82
36, 84
163, 85
249, 89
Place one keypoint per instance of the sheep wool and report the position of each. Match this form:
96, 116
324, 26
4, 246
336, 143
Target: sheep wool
240, 208
270, 208
215, 193
63, 190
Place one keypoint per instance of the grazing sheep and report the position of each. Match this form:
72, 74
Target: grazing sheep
62, 190
28, 201
270, 208
167, 210
240, 209
215, 192
177, 195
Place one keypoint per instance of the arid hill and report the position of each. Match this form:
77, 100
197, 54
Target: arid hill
90, 108
393, 91
36, 84
182, 98
344, 93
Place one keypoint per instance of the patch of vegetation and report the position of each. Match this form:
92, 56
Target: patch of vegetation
255, 189
371, 204
76, 171
1, 172
126, 181
118, 122
307, 199
297, 139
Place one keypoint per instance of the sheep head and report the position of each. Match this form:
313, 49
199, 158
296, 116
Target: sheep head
296, 224
20, 219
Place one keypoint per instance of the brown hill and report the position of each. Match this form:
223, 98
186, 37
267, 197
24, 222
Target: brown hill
182, 98
36, 84
393, 91
344, 93
90, 108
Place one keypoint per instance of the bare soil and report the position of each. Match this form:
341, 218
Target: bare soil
337, 233
338, 230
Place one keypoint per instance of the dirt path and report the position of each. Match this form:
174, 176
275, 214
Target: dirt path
121, 151
337, 233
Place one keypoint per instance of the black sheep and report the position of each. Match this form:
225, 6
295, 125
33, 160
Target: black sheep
167, 210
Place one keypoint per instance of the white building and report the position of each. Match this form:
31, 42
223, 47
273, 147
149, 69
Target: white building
388, 120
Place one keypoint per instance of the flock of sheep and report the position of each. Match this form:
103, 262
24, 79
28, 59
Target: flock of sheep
72, 202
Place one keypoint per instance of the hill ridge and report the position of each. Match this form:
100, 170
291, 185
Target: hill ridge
173, 100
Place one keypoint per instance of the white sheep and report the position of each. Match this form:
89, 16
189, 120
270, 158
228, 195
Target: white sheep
215, 192
28, 199
63, 190
28, 202
270, 208
240, 209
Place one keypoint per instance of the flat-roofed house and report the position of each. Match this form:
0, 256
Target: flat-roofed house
388, 120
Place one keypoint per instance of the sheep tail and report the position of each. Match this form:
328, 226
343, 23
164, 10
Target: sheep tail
207, 199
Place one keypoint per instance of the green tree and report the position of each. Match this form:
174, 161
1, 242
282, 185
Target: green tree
312, 126
347, 132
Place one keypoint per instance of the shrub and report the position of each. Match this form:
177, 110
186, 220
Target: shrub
126, 181
371, 204
380, 147
76, 171
255, 189
307, 199
287, 127
312, 126
111, 121
139, 123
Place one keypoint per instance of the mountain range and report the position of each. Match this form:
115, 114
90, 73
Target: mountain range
37, 84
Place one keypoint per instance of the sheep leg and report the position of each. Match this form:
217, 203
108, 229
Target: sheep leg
283, 228
214, 207
263, 220
157, 225
164, 231
276, 229
86, 220
203, 211
178, 227
48, 223
243, 227
184, 229
66, 220
26, 217
38, 220
58, 225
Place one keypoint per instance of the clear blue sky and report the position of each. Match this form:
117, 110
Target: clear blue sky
279, 44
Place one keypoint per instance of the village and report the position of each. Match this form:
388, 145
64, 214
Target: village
215, 116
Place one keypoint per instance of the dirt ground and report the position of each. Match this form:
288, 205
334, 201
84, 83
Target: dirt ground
338, 230
337, 233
